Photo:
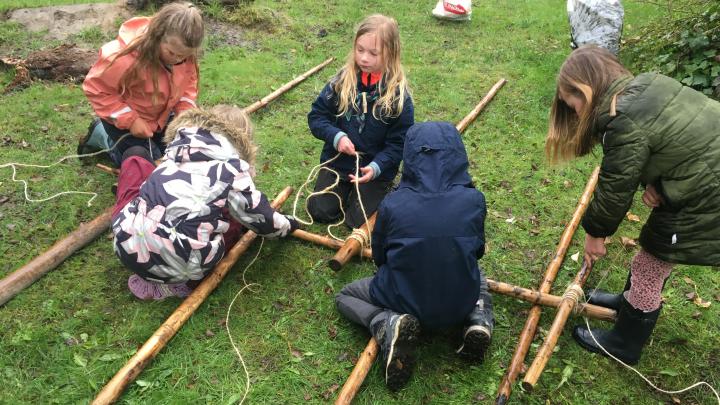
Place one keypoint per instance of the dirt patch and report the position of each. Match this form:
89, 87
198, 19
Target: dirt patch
223, 34
61, 22
64, 62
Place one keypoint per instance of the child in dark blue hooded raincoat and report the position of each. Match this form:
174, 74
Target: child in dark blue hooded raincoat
427, 239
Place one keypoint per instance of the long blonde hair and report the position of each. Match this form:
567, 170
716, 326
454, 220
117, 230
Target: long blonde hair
587, 73
393, 85
182, 20
230, 121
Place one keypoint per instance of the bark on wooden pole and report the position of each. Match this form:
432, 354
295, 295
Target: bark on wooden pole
528, 332
352, 246
114, 388
353, 383
16, 281
26, 275
570, 298
287, 86
548, 300
325, 241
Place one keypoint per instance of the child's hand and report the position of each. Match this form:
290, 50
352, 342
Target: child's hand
367, 175
140, 129
346, 146
651, 197
594, 248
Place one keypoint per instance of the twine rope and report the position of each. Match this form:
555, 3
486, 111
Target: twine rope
14, 166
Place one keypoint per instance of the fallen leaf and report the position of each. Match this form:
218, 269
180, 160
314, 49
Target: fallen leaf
480, 397
343, 356
296, 353
533, 166
567, 184
534, 232
3, 200
608, 240
307, 397
691, 296
209, 333
506, 185
330, 391
332, 332
575, 257
701, 302
265, 167
545, 181
628, 242
676, 400
511, 220
688, 280
24, 144
696, 315
633, 217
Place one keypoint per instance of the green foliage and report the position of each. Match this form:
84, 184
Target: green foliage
687, 47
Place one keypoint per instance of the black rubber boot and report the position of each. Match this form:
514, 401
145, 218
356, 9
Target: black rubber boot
477, 333
607, 299
626, 339
397, 337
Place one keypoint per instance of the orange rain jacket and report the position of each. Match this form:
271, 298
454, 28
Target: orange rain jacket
177, 87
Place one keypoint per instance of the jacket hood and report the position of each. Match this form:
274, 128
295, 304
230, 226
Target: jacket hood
193, 144
434, 158
133, 28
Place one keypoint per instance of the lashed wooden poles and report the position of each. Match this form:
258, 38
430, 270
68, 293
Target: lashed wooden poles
356, 378
548, 300
352, 245
61, 250
528, 332
570, 299
287, 86
325, 241
114, 388
26, 275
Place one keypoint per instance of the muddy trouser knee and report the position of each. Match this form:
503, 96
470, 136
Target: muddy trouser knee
482, 314
355, 303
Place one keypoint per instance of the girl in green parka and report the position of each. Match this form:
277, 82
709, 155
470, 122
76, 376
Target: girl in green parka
656, 133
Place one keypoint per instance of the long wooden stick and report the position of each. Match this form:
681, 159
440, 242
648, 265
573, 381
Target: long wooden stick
548, 300
561, 317
463, 124
26, 275
112, 390
528, 332
16, 281
287, 86
325, 241
352, 246
356, 378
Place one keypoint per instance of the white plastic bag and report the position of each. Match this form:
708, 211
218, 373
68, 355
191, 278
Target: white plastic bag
598, 22
456, 10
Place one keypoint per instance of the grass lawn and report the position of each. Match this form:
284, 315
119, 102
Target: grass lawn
65, 336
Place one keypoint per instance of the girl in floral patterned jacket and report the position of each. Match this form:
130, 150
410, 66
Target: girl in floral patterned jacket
171, 222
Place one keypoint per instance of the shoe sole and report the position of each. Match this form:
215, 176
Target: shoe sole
401, 359
475, 343
591, 347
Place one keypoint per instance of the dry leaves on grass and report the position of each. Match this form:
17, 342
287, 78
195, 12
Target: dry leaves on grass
694, 296
575, 257
628, 243
632, 217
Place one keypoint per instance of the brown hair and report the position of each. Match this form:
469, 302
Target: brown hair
587, 73
182, 20
393, 84
230, 121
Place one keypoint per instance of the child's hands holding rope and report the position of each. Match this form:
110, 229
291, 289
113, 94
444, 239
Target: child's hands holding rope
346, 146
140, 129
367, 174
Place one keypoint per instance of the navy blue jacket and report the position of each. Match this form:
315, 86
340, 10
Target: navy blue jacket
380, 142
430, 232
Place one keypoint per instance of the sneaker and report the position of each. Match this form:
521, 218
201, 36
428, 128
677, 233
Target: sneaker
476, 339
148, 291
398, 339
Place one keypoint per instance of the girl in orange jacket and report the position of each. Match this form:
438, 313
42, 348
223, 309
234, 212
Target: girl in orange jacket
145, 76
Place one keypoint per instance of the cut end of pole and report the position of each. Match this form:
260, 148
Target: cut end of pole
528, 386
501, 400
334, 265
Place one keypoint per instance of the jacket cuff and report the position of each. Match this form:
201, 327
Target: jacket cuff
123, 118
337, 138
594, 231
376, 169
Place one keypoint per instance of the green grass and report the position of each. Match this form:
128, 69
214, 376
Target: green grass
66, 335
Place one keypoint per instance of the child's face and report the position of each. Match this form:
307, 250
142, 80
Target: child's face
573, 100
368, 53
173, 51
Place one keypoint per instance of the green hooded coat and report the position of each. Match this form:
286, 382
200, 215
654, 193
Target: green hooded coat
666, 135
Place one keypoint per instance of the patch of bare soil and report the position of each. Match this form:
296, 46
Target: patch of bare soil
64, 62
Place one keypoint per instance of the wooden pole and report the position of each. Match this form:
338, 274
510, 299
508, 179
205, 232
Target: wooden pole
548, 300
528, 332
79, 238
463, 124
287, 86
112, 390
356, 378
18, 280
352, 246
108, 169
325, 241
563, 313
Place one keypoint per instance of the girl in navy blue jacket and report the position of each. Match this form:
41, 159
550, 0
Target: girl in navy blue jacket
365, 110
427, 240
